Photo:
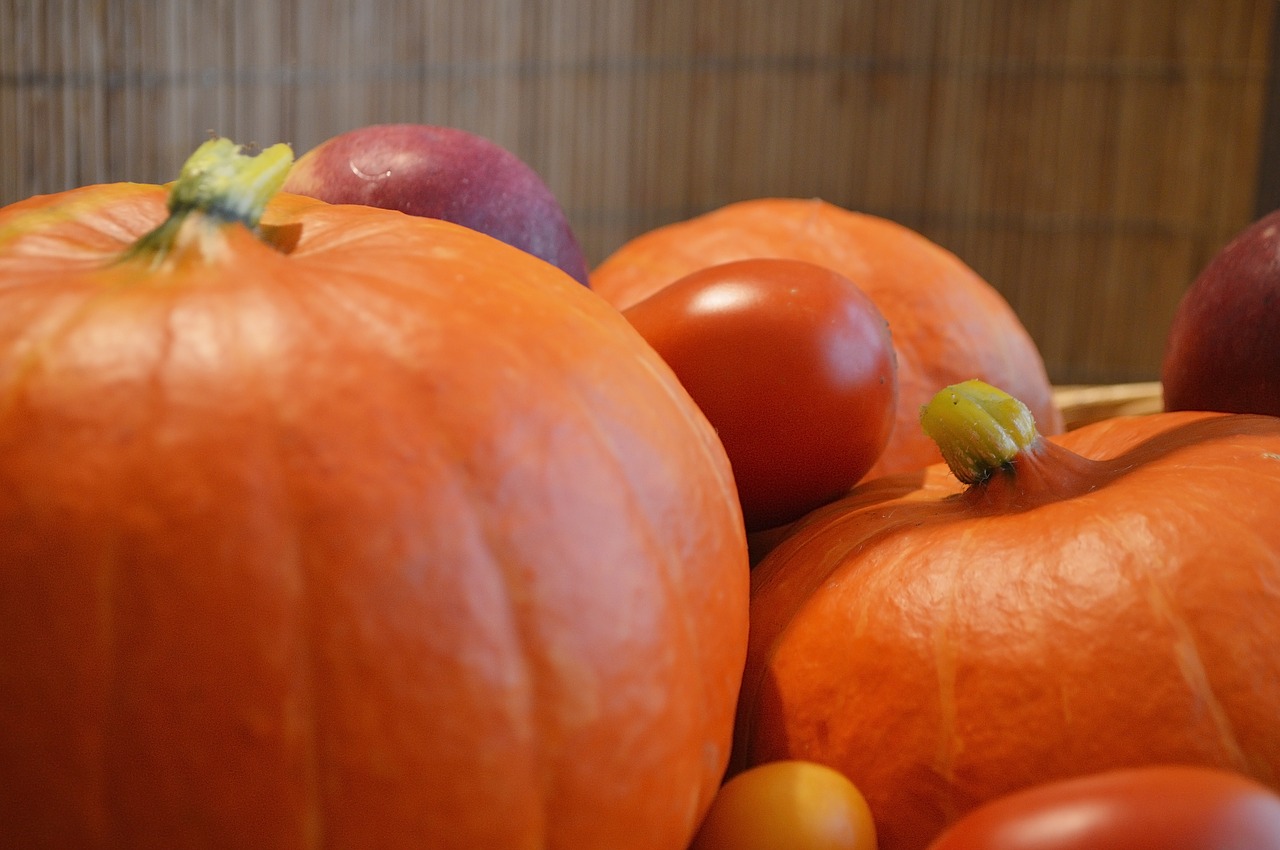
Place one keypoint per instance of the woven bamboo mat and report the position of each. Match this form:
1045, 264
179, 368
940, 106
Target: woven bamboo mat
1085, 156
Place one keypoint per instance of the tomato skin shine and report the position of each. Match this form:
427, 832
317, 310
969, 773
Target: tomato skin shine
794, 366
1146, 808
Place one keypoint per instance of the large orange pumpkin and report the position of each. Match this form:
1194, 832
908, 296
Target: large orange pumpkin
1103, 599
363, 530
948, 324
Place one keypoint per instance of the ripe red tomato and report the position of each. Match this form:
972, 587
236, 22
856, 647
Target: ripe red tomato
795, 368
1146, 808
787, 805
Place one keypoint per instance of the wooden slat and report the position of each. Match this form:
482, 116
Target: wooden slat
1087, 157
1082, 405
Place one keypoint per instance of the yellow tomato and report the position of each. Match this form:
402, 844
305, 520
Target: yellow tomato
787, 805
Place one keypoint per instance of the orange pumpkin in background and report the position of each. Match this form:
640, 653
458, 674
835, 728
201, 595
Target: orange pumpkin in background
1054, 607
354, 529
948, 324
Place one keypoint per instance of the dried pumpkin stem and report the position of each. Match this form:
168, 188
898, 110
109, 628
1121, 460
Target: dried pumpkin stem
222, 184
978, 428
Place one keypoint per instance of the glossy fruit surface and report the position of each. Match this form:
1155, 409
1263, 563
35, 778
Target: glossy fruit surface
787, 805
445, 173
1100, 599
350, 529
1161, 807
948, 324
1222, 351
793, 366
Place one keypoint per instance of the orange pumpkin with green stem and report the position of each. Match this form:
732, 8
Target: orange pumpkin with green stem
1042, 609
344, 528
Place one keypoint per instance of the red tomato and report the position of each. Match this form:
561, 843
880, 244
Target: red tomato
795, 368
787, 805
1146, 808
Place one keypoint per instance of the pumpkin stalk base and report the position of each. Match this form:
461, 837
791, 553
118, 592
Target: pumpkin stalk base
218, 185
978, 428
990, 442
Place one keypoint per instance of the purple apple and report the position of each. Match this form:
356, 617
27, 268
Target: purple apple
1223, 348
443, 173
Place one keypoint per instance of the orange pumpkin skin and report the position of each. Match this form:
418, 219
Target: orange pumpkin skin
394, 537
948, 324
944, 647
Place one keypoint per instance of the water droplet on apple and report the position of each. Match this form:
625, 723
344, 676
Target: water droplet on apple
369, 175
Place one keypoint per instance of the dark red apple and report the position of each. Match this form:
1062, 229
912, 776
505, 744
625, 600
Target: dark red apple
1223, 348
443, 173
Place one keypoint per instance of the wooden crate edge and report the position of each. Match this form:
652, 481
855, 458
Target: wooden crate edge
1082, 404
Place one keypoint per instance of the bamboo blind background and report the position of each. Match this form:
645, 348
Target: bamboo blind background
1085, 156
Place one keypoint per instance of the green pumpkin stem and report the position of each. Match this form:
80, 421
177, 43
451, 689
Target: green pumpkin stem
224, 186
978, 428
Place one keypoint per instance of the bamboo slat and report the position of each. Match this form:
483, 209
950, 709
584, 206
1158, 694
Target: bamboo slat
1082, 405
1085, 156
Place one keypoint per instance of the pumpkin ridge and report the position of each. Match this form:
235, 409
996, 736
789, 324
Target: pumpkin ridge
651, 541
376, 312
667, 564
945, 669
312, 817
907, 519
32, 358
110, 608
533, 651
523, 637
1191, 665
312, 821
85, 207
309, 316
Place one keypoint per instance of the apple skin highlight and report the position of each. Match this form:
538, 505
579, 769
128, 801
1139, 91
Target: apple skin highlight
443, 173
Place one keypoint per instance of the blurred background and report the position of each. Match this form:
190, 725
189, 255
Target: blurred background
1087, 157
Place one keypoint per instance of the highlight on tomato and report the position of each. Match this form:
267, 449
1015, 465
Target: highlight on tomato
1159, 807
787, 805
795, 368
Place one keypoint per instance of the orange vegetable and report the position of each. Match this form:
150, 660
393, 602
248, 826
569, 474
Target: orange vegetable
1044, 608
351, 528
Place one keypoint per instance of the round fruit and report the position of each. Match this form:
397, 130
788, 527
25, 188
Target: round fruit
1223, 348
445, 173
1160, 807
948, 324
788, 805
794, 367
